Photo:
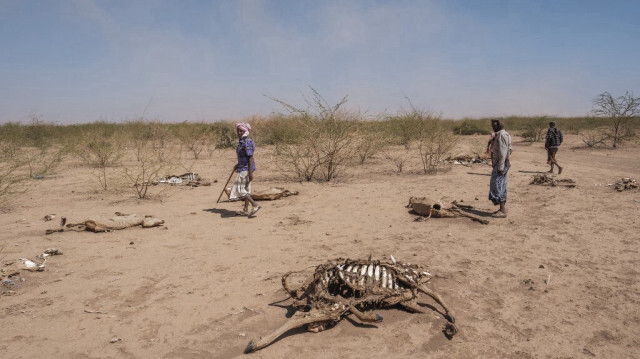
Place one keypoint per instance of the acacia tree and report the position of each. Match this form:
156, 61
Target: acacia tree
621, 111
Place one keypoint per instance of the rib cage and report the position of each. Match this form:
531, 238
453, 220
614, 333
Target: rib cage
362, 278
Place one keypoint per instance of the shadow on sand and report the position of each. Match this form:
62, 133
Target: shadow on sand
224, 213
472, 210
479, 174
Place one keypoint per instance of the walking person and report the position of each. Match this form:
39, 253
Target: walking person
551, 144
502, 149
241, 189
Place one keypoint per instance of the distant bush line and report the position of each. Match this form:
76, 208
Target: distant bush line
269, 130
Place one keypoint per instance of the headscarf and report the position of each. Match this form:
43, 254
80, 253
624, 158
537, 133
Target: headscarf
552, 124
244, 127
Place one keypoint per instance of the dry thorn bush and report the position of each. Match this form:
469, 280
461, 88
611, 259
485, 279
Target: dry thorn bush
324, 147
622, 112
141, 174
101, 150
398, 160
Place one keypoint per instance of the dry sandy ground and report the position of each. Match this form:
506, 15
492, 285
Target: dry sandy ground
210, 281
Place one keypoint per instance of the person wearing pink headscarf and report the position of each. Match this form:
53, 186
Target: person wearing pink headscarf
245, 167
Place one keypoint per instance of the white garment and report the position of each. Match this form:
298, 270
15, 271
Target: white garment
241, 186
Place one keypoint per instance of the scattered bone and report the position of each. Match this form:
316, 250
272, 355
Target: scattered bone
625, 184
242, 310
95, 312
51, 252
30, 265
329, 295
550, 180
187, 179
49, 217
468, 160
430, 208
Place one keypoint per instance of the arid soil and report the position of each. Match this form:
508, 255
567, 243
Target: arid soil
558, 278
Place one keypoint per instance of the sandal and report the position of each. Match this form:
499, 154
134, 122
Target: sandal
499, 215
254, 211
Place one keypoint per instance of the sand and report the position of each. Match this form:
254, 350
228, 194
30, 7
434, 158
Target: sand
558, 278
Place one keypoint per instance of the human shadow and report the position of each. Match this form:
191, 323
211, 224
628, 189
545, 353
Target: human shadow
224, 213
472, 210
479, 174
536, 172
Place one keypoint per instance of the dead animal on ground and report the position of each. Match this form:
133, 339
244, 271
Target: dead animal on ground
342, 287
427, 208
626, 184
187, 179
270, 194
468, 160
103, 224
550, 180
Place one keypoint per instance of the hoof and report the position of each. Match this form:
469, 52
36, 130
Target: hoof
450, 330
250, 347
378, 318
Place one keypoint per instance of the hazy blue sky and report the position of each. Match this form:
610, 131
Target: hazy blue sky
74, 61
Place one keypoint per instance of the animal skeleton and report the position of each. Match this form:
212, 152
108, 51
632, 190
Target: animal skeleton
428, 208
343, 287
547, 179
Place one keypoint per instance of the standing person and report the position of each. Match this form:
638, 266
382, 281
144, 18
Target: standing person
500, 160
241, 188
552, 143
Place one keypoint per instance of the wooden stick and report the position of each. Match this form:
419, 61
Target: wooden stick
225, 185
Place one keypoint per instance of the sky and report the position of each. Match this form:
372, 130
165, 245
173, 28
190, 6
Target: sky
81, 61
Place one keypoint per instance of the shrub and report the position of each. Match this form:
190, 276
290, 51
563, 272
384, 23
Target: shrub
436, 142
621, 112
101, 149
535, 129
470, 127
324, 147
140, 175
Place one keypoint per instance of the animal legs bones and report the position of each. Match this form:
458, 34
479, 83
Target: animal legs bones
307, 318
437, 298
369, 317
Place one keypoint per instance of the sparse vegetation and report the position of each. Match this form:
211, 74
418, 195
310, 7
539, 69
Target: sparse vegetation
318, 142
102, 149
140, 175
325, 146
535, 129
621, 112
436, 142
471, 127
